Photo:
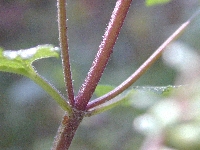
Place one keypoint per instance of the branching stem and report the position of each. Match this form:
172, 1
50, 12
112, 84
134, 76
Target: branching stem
141, 70
103, 55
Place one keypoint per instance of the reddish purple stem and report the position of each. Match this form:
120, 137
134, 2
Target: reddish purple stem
104, 52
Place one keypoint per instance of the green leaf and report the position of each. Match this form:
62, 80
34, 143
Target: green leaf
159, 90
20, 62
156, 2
120, 99
103, 89
129, 96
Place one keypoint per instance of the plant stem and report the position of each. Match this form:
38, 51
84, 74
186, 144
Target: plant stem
140, 71
67, 130
62, 26
104, 52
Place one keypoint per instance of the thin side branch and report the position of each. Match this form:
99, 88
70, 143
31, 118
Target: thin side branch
62, 26
141, 70
103, 55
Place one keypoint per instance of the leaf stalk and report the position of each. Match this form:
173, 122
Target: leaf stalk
51, 90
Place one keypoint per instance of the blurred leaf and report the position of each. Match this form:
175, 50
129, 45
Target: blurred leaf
162, 90
103, 89
159, 90
184, 136
156, 2
120, 99
127, 97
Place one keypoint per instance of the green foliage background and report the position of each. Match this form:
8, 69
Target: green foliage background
29, 118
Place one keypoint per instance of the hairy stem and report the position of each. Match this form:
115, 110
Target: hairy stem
141, 70
104, 52
67, 130
62, 26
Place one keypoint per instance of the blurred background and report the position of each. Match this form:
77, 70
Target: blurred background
29, 118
